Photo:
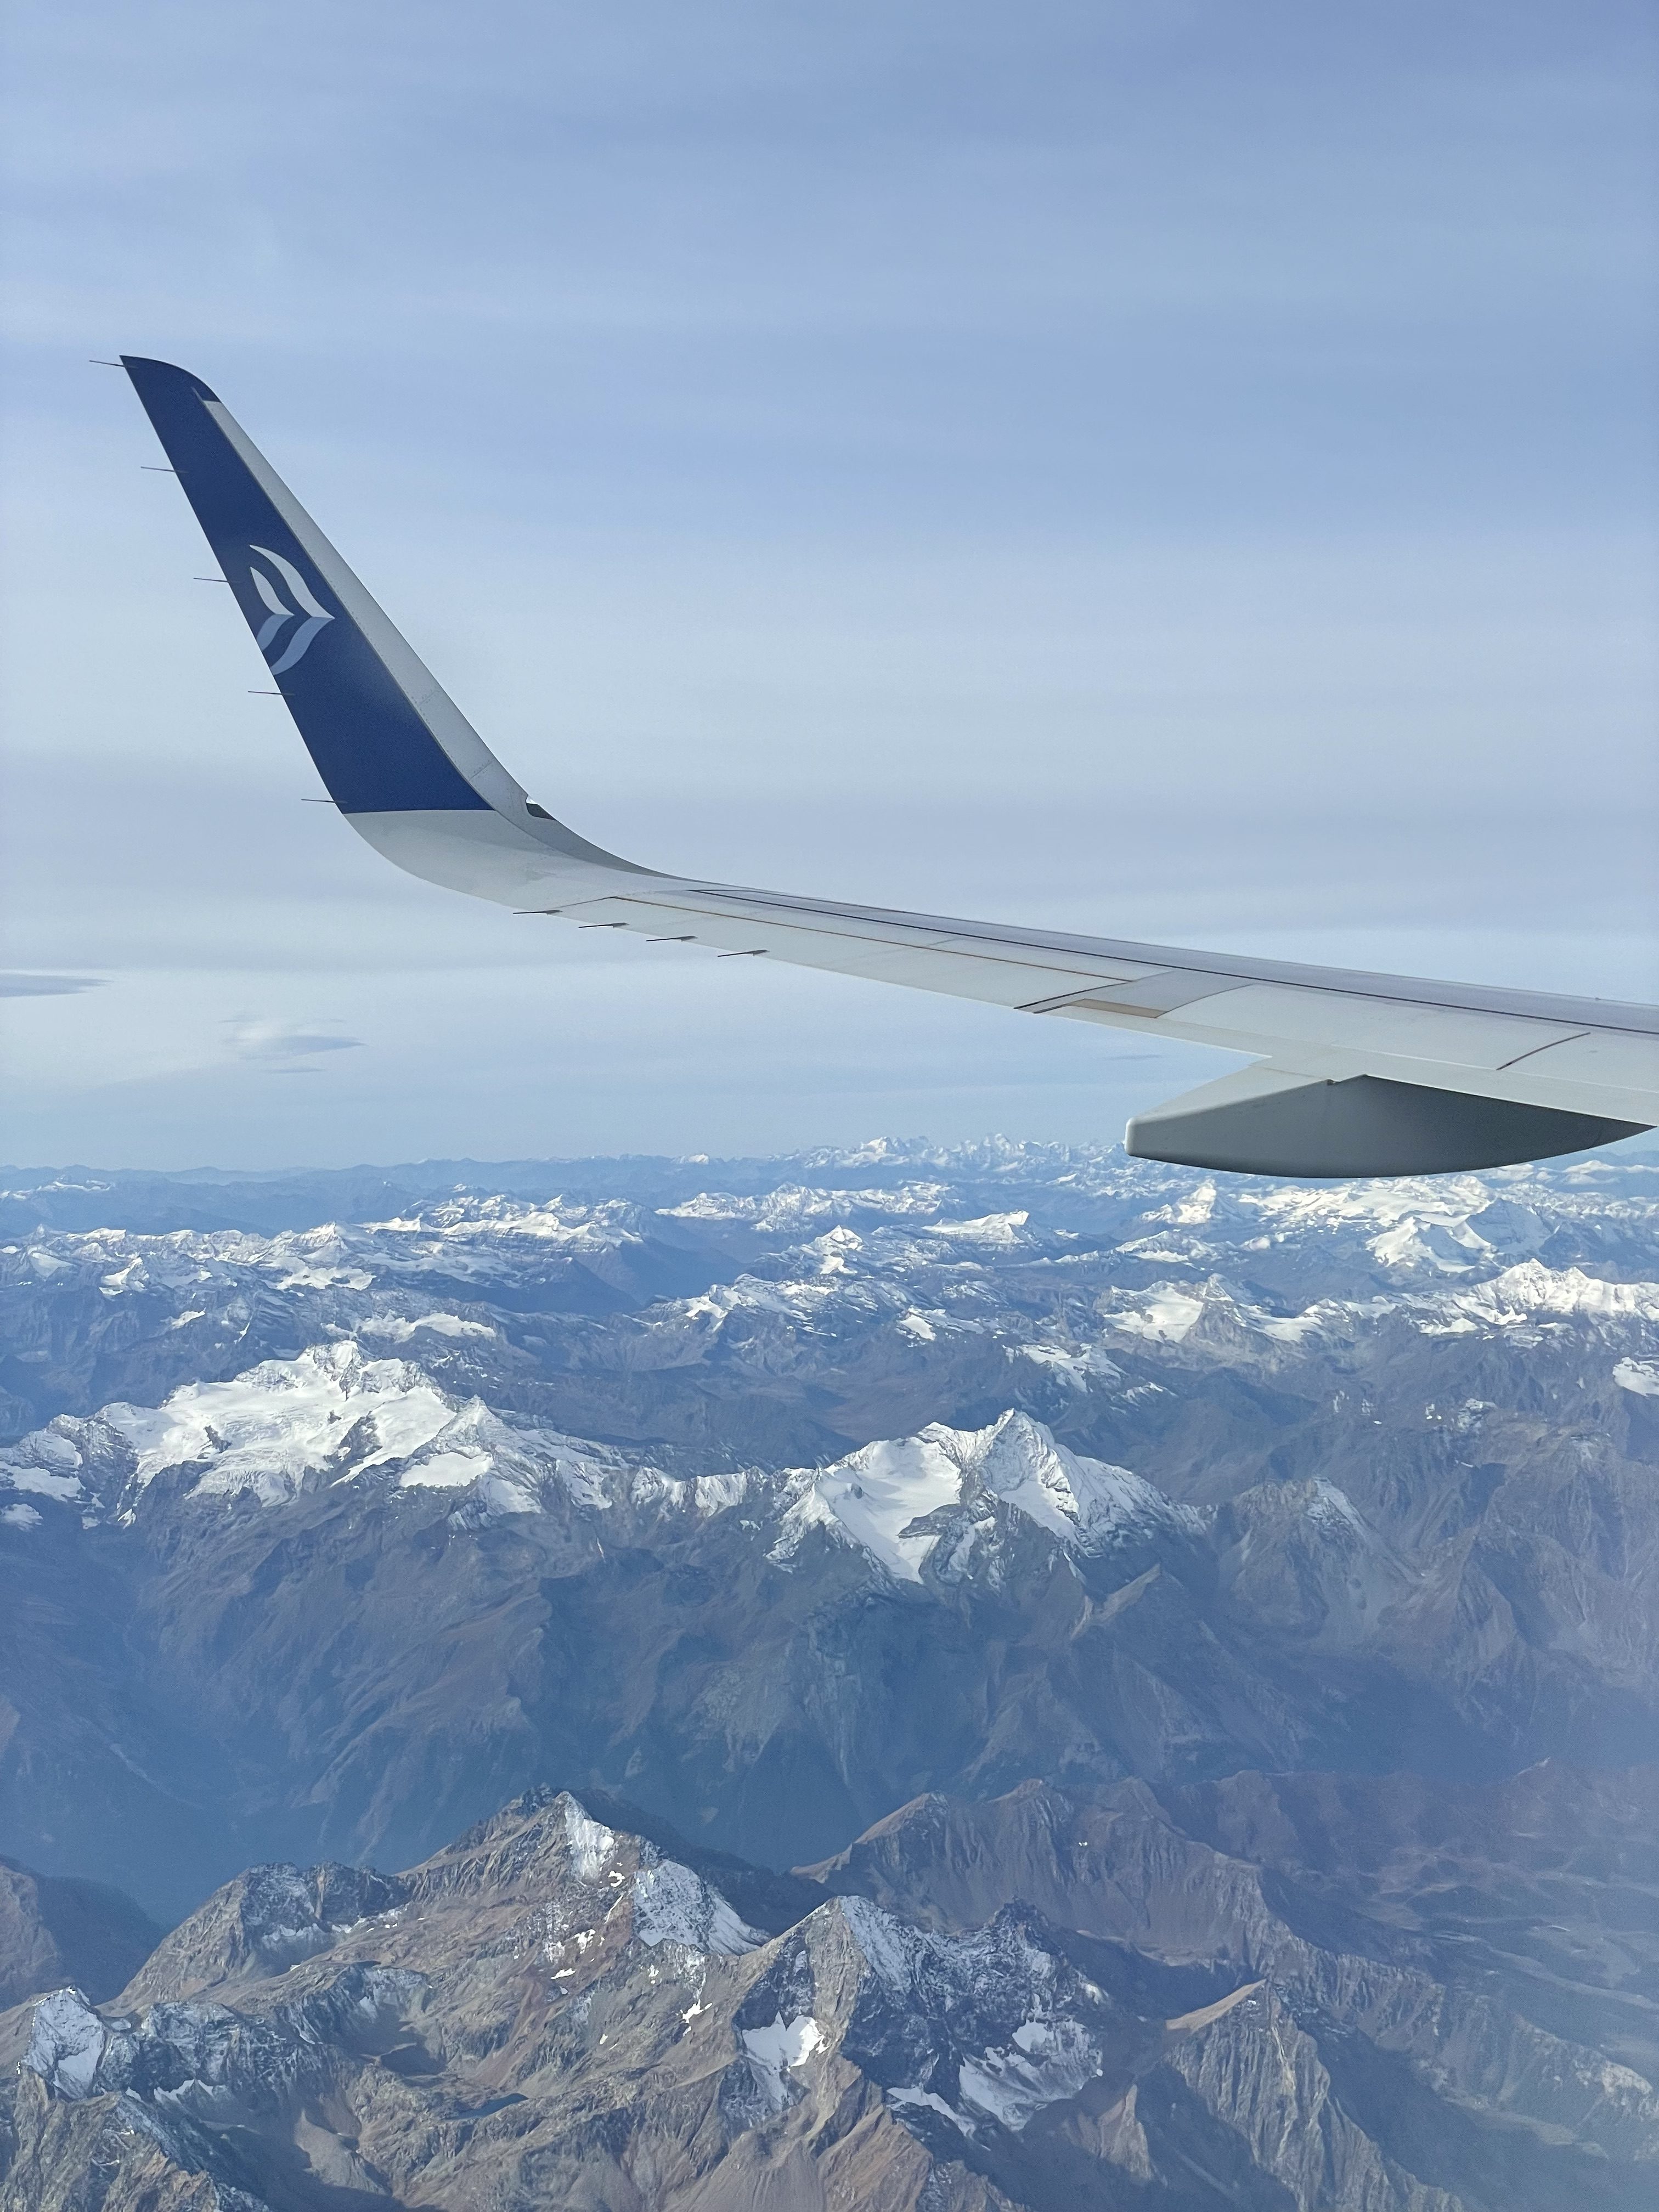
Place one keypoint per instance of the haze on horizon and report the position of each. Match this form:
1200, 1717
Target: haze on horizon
1137, 469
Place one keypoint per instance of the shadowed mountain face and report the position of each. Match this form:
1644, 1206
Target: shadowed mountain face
955, 1525
54, 1930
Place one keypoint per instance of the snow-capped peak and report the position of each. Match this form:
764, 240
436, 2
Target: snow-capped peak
882, 1496
672, 1905
66, 2041
1020, 1461
328, 1413
875, 1496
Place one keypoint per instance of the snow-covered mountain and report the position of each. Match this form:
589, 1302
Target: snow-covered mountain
770, 1495
1199, 1638
332, 1417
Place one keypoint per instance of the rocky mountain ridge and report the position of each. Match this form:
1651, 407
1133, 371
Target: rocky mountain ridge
976, 2006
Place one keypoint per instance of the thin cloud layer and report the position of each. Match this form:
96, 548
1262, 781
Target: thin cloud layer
284, 1047
16, 984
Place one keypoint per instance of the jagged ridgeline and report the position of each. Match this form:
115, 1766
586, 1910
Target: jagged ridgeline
938, 1523
555, 2011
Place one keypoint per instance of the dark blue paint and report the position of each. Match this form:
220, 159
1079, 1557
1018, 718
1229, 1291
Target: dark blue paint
372, 749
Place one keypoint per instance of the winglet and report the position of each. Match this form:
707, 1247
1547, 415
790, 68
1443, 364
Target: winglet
385, 736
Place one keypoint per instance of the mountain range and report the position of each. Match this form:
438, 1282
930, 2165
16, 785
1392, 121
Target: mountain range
1204, 1628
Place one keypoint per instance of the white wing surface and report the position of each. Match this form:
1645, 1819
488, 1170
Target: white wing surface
1356, 1073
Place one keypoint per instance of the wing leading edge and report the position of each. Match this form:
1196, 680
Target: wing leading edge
1358, 1074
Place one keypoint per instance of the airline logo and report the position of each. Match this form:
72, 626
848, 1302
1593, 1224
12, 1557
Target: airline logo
298, 641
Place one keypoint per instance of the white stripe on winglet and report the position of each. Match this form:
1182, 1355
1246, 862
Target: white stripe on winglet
297, 583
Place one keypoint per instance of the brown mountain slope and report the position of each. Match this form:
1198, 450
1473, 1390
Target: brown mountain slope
1039, 2002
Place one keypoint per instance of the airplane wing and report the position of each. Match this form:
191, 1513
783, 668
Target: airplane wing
1356, 1074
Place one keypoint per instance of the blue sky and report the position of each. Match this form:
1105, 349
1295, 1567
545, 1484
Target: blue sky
1184, 471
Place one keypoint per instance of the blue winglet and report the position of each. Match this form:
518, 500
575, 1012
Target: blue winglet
364, 704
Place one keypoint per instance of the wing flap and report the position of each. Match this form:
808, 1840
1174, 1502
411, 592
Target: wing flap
1604, 1059
925, 961
1287, 1015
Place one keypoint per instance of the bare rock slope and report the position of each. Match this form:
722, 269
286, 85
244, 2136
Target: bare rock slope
1037, 2002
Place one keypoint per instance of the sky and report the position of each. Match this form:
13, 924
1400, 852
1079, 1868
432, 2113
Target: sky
1181, 471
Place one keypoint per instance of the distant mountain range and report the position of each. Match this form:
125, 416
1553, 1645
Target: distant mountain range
923, 1520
